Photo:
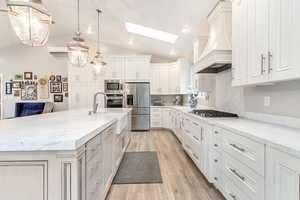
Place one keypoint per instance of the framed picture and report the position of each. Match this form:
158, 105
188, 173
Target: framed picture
35, 77
52, 78
55, 87
58, 78
16, 84
19, 77
65, 87
64, 79
58, 98
17, 93
29, 92
8, 88
28, 75
66, 94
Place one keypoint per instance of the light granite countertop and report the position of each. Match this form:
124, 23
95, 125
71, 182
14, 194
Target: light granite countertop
283, 138
66, 130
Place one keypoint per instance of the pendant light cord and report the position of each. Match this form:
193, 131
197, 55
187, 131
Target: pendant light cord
78, 18
98, 44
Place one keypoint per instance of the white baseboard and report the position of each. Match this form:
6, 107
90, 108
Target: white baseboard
274, 119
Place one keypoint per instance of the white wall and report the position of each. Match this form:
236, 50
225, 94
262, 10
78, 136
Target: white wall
20, 58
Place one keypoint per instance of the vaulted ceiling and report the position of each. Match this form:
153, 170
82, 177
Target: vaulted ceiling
166, 15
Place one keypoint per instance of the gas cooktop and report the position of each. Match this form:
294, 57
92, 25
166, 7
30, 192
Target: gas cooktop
213, 113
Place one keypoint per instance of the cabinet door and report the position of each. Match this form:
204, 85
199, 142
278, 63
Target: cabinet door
164, 80
107, 156
173, 80
257, 40
239, 43
155, 81
283, 172
115, 68
137, 68
284, 39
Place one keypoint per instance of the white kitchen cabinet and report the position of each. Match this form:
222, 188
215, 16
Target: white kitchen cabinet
170, 78
115, 68
284, 39
271, 38
239, 42
282, 178
156, 117
137, 68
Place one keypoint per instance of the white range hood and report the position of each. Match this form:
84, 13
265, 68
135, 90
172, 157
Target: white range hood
217, 55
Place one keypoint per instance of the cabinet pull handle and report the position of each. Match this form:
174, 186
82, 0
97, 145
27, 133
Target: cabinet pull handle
262, 60
269, 62
232, 196
196, 156
216, 145
216, 178
237, 174
202, 134
187, 131
195, 124
216, 132
196, 138
238, 148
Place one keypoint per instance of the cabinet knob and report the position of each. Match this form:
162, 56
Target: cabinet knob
216, 178
216, 160
216, 145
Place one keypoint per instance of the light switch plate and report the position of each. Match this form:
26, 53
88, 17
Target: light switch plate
267, 101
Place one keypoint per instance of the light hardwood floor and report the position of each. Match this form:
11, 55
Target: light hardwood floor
181, 179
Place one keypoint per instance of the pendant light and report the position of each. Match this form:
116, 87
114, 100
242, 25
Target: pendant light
97, 61
30, 21
78, 52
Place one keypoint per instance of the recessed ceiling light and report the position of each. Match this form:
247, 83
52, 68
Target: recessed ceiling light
151, 33
172, 52
186, 29
89, 30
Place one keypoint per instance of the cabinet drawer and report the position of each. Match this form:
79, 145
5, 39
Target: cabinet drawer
155, 110
156, 124
156, 116
245, 150
248, 181
232, 192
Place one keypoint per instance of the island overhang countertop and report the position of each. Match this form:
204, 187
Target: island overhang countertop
59, 131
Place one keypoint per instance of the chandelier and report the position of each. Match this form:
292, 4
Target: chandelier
78, 52
30, 21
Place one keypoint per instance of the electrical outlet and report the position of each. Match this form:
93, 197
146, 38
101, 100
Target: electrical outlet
267, 101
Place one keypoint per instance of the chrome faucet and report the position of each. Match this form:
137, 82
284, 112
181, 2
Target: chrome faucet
95, 104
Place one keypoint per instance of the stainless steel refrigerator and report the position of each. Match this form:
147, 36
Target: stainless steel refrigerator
137, 97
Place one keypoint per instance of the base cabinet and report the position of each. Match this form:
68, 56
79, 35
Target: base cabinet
283, 176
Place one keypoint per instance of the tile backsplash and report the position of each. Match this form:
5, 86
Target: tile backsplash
168, 99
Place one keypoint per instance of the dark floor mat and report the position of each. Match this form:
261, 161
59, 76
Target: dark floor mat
139, 168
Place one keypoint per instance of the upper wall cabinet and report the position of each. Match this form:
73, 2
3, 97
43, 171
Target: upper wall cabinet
128, 68
171, 78
265, 41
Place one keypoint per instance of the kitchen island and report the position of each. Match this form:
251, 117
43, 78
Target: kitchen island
67, 155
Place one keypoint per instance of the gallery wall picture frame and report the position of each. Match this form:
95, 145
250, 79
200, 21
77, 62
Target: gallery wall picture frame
29, 92
55, 87
17, 93
58, 78
18, 77
58, 98
66, 94
35, 77
65, 87
52, 78
8, 88
28, 75
16, 84
64, 79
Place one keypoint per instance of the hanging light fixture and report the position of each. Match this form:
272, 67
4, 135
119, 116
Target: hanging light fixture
97, 61
30, 21
78, 52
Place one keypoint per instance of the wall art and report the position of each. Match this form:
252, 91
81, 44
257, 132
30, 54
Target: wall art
58, 98
8, 88
28, 75
43, 89
55, 87
19, 77
64, 79
58, 78
16, 84
35, 77
29, 92
17, 93
66, 94
65, 87
52, 78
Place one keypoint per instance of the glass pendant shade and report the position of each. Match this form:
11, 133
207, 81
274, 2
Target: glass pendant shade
30, 21
98, 63
78, 53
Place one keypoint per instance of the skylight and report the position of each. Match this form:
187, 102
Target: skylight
151, 33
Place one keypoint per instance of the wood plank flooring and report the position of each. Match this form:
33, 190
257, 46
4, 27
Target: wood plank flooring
181, 178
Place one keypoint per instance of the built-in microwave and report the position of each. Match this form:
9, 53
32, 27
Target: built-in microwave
113, 87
